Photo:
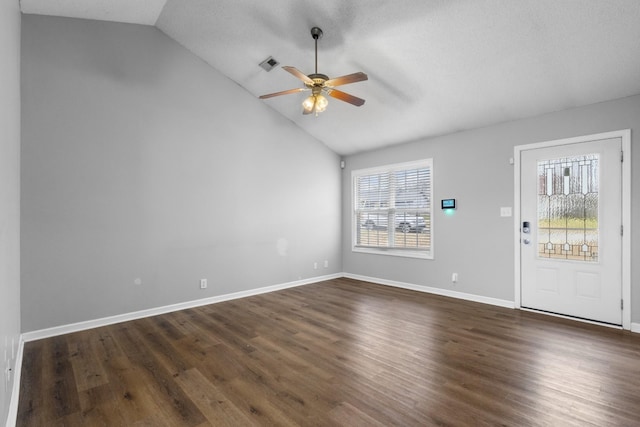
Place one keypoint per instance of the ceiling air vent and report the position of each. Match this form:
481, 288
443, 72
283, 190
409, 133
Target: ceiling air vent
269, 63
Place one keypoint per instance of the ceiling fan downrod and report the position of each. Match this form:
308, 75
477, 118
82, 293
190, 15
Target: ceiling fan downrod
316, 33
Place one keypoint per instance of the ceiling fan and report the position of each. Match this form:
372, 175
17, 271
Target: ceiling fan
320, 84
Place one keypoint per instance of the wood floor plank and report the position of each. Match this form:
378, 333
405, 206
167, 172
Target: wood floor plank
100, 406
345, 414
159, 383
126, 380
59, 380
30, 410
211, 401
87, 373
341, 352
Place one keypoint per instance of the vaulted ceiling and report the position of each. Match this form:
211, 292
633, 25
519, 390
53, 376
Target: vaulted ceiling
434, 66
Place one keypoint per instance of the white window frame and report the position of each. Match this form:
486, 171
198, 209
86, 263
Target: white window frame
401, 252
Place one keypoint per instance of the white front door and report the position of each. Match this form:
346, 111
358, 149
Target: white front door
570, 239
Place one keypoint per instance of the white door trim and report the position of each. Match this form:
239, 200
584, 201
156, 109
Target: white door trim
625, 135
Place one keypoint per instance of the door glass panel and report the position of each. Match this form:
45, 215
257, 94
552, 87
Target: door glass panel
568, 208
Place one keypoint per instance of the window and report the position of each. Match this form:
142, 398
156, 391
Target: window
392, 209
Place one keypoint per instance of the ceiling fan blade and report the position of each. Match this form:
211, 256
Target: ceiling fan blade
284, 92
298, 74
343, 96
349, 78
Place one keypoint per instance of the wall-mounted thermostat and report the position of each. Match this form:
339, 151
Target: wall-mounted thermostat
448, 203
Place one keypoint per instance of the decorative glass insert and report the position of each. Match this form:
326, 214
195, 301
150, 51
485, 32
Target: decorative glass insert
568, 208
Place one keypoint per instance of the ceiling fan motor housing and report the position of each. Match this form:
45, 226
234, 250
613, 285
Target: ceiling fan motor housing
318, 79
318, 82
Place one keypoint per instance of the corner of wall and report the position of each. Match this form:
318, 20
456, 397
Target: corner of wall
12, 416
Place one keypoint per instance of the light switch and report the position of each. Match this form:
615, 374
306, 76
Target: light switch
505, 211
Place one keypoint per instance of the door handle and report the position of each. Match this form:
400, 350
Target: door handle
526, 229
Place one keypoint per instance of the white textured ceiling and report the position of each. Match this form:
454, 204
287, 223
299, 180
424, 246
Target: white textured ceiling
434, 66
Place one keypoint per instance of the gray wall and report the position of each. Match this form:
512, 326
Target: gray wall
141, 161
474, 167
9, 195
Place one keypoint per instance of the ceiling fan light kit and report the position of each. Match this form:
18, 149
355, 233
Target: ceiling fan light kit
320, 85
314, 103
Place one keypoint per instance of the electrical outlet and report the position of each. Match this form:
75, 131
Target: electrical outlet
203, 283
326, 263
315, 265
454, 277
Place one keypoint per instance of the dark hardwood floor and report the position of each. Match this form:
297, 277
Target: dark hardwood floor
341, 352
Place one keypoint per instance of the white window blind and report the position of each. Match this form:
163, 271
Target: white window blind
392, 209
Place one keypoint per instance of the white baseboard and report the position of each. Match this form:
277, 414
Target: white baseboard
96, 323
89, 324
436, 291
15, 390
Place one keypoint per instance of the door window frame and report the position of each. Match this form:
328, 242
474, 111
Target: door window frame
625, 136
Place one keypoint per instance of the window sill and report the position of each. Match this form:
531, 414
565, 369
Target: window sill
404, 253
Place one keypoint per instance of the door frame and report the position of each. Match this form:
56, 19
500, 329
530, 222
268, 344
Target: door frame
625, 135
